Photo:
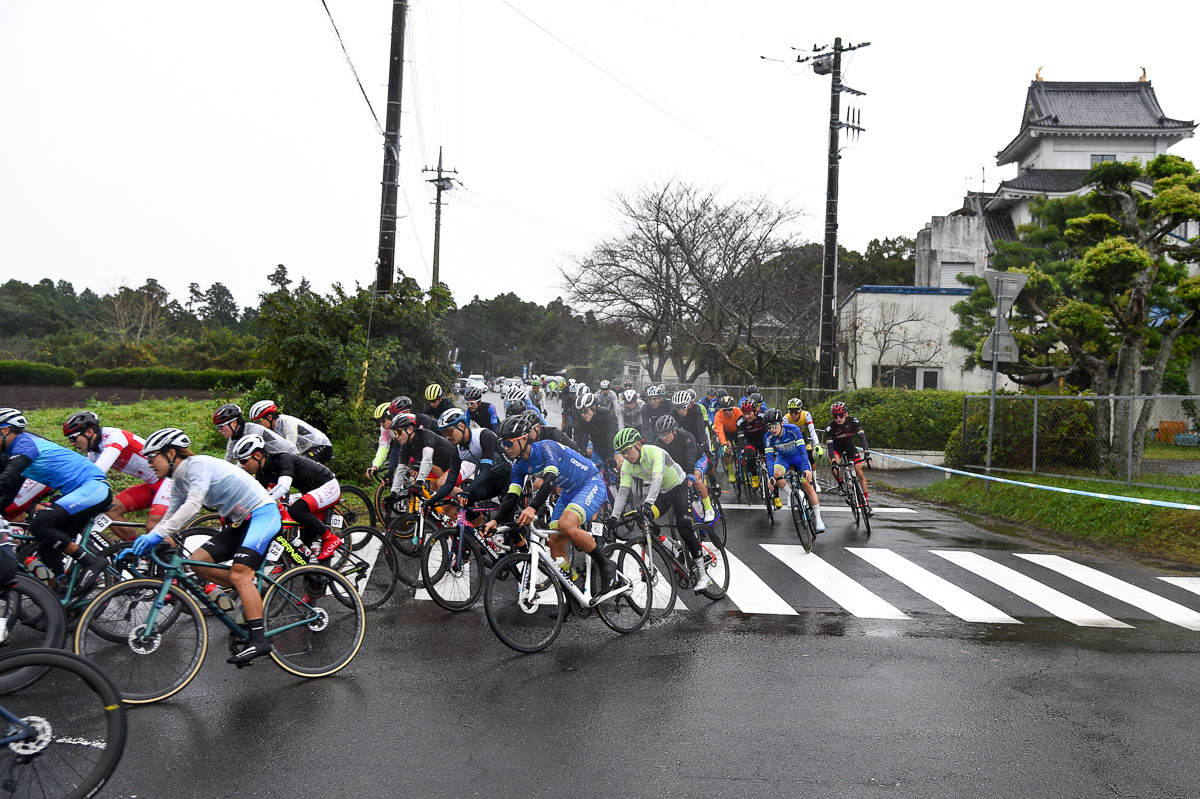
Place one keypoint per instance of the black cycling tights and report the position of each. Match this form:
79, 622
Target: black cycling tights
677, 500
55, 528
312, 529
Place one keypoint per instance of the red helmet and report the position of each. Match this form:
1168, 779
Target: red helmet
227, 413
838, 409
747, 405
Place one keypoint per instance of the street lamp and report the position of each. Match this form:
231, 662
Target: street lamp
493, 360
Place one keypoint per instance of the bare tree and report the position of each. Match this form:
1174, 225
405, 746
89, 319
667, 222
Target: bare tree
897, 338
134, 315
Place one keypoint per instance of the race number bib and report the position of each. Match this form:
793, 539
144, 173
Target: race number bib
335, 522
274, 551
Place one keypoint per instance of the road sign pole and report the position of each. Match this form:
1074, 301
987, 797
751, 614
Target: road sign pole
987, 486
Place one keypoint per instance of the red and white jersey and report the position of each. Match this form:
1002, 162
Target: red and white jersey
122, 450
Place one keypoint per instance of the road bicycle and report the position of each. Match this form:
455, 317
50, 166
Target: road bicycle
64, 733
720, 531
802, 512
764, 489
526, 595
668, 562
150, 634
455, 559
851, 490
31, 617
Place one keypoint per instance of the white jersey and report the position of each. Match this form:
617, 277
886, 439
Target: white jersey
302, 434
274, 441
122, 450
201, 481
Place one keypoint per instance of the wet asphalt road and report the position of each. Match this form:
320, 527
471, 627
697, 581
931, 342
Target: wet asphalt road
814, 693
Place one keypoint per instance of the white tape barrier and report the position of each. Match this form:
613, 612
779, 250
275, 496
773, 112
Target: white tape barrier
1135, 500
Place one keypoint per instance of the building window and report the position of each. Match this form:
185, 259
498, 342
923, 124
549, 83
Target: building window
1097, 159
921, 377
950, 270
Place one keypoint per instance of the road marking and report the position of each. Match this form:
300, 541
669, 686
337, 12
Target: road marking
748, 591
1043, 596
1187, 583
834, 584
963, 604
824, 508
1153, 604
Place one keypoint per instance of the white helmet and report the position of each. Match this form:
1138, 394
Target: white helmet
11, 417
166, 437
515, 393
604, 384
584, 400
247, 446
629, 395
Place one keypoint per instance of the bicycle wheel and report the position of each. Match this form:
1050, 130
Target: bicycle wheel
314, 619
715, 562
31, 617
146, 666
851, 497
767, 497
356, 510
662, 576
76, 727
370, 567
800, 511
626, 613
212, 520
860, 504
383, 511
520, 624
453, 580
403, 535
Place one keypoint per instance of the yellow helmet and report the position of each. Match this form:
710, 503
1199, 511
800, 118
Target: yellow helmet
432, 392
381, 410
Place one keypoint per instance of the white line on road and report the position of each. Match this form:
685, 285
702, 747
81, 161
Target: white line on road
748, 591
1153, 604
1043, 596
834, 584
1186, 583
963, 604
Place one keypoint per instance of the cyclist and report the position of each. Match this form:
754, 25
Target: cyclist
839, 436
436, 401
689, 454
279, 473
544, 432
751, 391
665, 488
606, 398
629, 413
583, 492
536, 397
488, 475
785, 447
250, 519
751, 434
570, 414
656, 405
483, 414
711, 401
84, 491
114, 448
693, 417
801, 418
403, 404
308, 440
725, 424
382, 415
516, 400
436, 454
229, 421
595, 429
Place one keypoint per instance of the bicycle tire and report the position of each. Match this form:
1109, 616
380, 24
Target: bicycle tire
212, 520
356, 510
804, 531
325, 646
716, 562
851, 497
371, 567
382, 512
662, 576
518, 624
626, 613
403, 534
78, 721
31, 618
452, 585
767, 497
144, 669
861, 503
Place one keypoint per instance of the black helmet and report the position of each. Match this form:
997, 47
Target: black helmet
515, 407
78, 422
514, 427
226, 413
751, 389
773, 417
665, 424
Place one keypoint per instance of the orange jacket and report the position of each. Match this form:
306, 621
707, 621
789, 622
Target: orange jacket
726, 424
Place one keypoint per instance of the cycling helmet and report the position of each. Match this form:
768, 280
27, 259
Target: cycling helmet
167, 437
773, 417
627, 383
404, 421
629, 395
473, 394
758, 398
712, 391
654, 391
684, 398
381, 410
514, 427
727, 402
581, 388
585, 400
11, 417
748, 405
515, 393
433, 392
247, 446
665, 424
223, 415
795, 404
261, 408
515, 407
452, 417
751, 389
604, 384
401, 404
534, 419
78, 422
838, 408
626, 437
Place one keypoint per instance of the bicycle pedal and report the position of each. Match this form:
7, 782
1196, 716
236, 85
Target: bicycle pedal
245, 665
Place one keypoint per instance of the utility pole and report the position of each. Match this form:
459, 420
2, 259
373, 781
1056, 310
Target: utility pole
442, 183
385, 264
826, 64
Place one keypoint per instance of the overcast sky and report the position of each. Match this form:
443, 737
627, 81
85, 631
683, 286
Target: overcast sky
208, 142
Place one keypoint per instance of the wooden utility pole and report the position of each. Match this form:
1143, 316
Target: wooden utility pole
385, 264
442, 183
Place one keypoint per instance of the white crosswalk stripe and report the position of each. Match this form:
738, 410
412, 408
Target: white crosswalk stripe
1153, 604
1187, 583
748, 591
843, 590
1043, 596
961, 603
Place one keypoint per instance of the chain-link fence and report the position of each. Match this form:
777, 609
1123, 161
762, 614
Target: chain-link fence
1142, 441
774, 396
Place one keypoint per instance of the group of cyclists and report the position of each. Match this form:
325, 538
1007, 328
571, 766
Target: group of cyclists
670, 443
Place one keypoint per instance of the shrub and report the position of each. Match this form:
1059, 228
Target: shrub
159, 377
899, 418
27, 373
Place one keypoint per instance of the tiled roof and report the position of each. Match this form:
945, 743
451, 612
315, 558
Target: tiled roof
998, 224
1060, 104
1047, 181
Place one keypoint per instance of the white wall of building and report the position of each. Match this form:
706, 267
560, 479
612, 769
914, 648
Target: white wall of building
1075, 152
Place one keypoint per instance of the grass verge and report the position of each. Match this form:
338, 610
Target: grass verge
1138, 530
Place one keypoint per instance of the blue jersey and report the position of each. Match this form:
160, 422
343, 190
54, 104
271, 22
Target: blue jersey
52, 464
550, 457
786, 448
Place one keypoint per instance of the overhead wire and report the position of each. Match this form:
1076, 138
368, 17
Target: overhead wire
350, 63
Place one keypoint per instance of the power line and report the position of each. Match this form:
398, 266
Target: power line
336, 32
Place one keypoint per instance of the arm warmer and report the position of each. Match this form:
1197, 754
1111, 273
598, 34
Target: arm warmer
543, 493
11, 478
282, 486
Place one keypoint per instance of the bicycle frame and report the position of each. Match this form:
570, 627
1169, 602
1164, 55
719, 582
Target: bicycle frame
540, 553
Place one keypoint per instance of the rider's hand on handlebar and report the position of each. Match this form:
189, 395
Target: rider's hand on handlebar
527, 516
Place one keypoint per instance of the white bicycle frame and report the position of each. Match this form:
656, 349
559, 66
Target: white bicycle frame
539, 553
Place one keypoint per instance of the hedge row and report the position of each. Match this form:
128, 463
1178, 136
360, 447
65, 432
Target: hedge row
158, 377
26, 373
899, 418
